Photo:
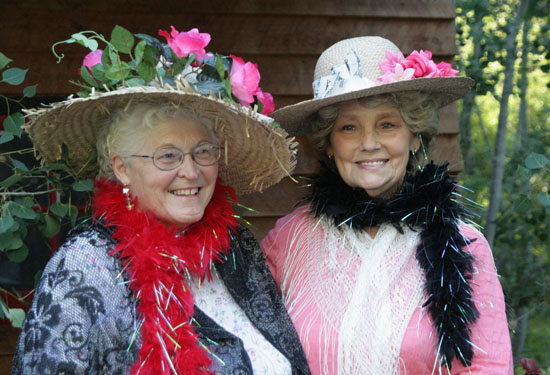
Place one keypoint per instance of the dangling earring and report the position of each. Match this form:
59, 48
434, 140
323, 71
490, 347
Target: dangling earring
127, 197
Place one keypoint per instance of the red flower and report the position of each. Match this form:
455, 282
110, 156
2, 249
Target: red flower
187, 42
91, 59
267, 100
421, 63
244, 79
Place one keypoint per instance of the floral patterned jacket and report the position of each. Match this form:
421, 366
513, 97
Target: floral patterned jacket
83, 316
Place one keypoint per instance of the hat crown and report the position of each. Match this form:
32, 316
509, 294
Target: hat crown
357, 58
371, 50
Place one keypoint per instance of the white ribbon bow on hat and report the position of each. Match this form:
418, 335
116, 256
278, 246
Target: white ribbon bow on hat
345, 78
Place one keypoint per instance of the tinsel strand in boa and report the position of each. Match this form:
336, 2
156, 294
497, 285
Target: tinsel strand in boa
159, 263
427, 202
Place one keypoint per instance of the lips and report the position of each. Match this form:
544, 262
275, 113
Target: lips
185, 192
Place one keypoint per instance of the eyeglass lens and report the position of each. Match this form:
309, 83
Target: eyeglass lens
171, 157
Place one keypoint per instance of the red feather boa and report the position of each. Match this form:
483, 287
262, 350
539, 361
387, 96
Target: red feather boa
159, 263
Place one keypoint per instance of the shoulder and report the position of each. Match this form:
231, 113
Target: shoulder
287, 226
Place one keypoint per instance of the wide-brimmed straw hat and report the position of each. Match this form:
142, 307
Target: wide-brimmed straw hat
256, 153
371, 65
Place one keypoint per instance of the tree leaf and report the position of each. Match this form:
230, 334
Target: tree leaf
29, 91
522, 172
122, 39
51, 226
13, 123
14, 76
10, 241
522, 203
544, 198
6, 137
59, 209
14, 178
17, 316
22, 211
6, 223
19, 165
18, 255
4, 61
83, 185
535, 161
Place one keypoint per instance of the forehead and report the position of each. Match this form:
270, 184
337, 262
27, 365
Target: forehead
179, 132
367, 107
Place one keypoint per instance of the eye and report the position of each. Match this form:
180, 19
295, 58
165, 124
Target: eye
347, 127
168, 154
203, 149
387, 125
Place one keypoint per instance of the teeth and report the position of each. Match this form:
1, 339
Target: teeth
372, 162
185, 192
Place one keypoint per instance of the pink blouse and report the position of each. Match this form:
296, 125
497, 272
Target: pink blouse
490, 336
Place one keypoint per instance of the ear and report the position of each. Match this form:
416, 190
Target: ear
329, 151
120, 169
415, 142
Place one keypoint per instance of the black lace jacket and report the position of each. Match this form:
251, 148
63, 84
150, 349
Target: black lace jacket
83, 315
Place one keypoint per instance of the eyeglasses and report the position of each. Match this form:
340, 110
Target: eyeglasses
169, 158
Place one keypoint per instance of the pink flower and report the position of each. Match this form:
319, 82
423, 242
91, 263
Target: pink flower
267, 100
446, 70
391, 61
244, 80
421, 63
91, 59
187, 42
398, 74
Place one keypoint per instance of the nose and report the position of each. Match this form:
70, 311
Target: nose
369, 140
188, 168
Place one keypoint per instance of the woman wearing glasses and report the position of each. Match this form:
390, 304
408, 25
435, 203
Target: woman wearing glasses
162, 279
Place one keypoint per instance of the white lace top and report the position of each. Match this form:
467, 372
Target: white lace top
213, 298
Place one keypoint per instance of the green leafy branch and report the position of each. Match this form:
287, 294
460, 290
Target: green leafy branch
535, 166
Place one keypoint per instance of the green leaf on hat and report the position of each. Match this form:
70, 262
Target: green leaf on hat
150, 55
98, 72
19, 254
118, 72
227, 87
13, 123
135, 82
139, 51
59, 209
83, 40
64, 151
146, 71
220, 68
4, 60
544, 198
29, 91
122, 39
73, 214
50, 227
535, 161
83, 185
86, 76
14, 76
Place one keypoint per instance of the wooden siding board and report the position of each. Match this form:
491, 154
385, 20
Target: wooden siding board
425, 9
263, 35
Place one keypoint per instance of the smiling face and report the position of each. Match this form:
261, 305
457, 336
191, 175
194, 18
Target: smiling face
179, 196
370, 147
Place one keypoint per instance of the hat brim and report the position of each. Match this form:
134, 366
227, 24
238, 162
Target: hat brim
446, 89
255, 155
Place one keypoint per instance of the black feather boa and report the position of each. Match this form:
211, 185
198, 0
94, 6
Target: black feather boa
425, 202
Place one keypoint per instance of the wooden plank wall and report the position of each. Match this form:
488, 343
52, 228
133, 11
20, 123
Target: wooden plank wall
283, 37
